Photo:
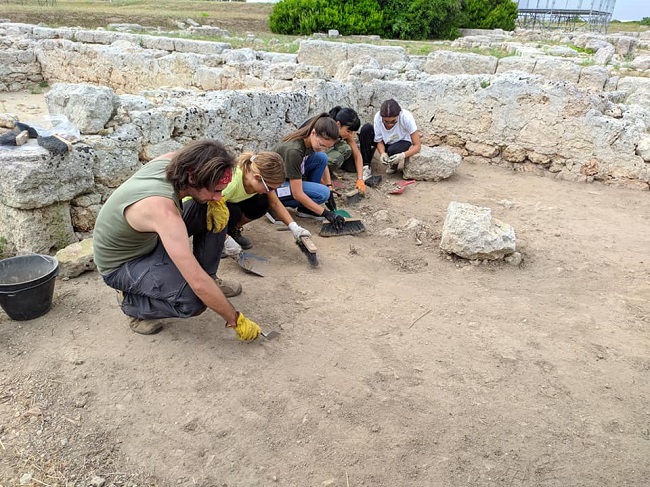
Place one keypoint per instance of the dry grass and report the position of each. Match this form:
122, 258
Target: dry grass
238, 17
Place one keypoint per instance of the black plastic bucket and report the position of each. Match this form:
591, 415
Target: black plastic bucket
27, 285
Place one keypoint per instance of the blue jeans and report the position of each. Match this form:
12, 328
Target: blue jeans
315, 166
153, 286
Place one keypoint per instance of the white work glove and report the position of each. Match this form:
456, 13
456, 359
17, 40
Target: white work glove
397, 159
384, 158
231, 248
298, 231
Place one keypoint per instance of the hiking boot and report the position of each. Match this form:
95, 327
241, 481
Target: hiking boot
230, 288
244, 243
144, 327
303, 212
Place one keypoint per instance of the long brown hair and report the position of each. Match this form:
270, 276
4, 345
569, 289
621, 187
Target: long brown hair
267, 164
205, 161
322, 124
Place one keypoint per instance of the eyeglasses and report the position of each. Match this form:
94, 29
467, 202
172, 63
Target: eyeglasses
324, 146
266, 186
389, 123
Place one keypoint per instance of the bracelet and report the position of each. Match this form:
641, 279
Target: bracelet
328, 185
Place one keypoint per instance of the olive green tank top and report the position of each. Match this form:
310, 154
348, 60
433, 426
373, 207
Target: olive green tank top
114, 240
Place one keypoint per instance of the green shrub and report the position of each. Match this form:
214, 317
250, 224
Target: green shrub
427, 19
489, 14
645, 21
304, 17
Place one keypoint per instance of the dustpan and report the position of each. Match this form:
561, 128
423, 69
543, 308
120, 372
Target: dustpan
252, 263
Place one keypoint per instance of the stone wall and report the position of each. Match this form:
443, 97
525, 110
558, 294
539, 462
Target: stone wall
532, 112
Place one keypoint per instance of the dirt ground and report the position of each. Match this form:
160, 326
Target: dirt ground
395, 365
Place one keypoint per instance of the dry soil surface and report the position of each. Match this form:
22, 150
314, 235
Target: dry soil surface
395, 365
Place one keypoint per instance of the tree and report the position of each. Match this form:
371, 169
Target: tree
489, 14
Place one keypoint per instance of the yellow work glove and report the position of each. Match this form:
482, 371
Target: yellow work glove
217, 216
246, 329
361, 186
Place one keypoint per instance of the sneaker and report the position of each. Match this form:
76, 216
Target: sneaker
273, 219
144, 327
230, 248
391, 170
303, 212
229, 288
244, 242
367, 172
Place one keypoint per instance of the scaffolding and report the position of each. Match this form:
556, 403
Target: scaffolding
593, 15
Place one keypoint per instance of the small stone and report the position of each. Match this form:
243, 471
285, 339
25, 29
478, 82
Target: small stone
97, 481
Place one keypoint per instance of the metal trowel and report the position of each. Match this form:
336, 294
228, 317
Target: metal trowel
269, 335
252, 263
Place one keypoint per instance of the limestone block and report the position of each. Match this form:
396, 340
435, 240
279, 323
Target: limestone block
561, 51
636, 89
320, 53
76, 258
431, 164
284, 71
641, 63
604, 55
151, 151
470, 232
643, 149
135, 103
480, 149
557, 69
277, 57
311, 72
115, 158
41, 230
516, 63
209, 78
514, 153
44, 32
158, 43
189, 121
625, 45
446, 62
88, 107
384, 55
156, 124
593, 78
33, 178
236, 56
200, 47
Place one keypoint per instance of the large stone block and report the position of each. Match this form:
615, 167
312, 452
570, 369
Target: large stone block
42, 230
446, 62
34, 178
88, 107
432, 164
470, 232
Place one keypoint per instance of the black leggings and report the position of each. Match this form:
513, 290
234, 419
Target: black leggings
367, 144
253, 208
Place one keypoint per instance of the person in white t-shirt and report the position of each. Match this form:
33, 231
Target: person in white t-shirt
394, 134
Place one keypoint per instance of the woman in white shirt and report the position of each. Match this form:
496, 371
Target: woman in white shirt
394, 134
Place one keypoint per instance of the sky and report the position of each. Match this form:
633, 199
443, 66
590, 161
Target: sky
631, 9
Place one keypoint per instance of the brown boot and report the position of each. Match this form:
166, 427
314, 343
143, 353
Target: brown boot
144, 327
229, 287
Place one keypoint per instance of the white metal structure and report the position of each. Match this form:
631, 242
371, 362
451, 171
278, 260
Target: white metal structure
595, 15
